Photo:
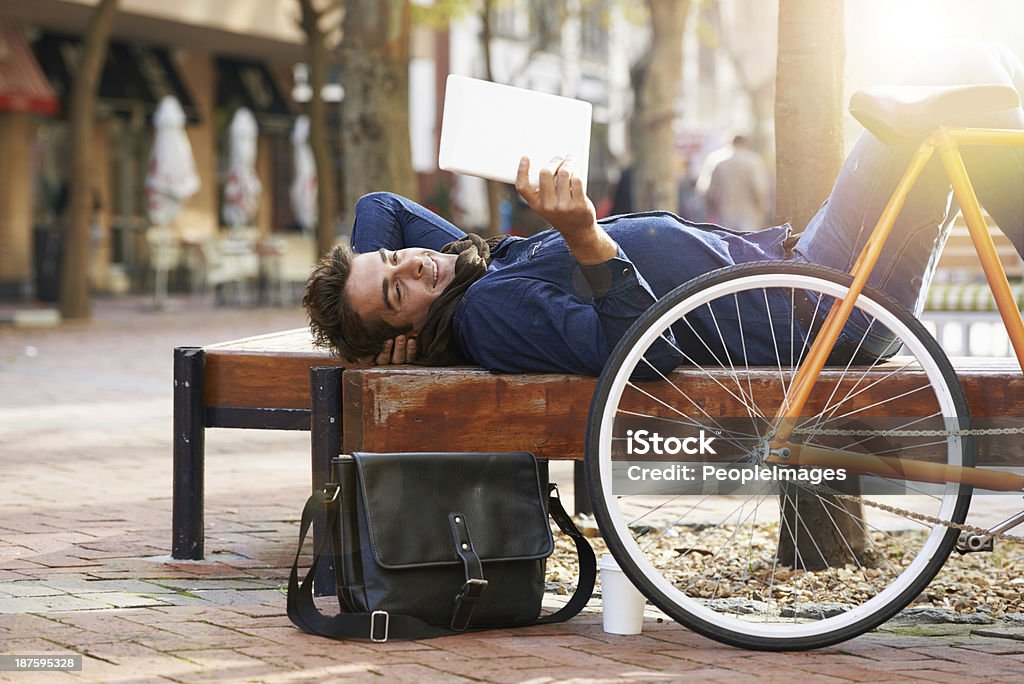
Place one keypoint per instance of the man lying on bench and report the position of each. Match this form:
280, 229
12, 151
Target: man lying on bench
418, 288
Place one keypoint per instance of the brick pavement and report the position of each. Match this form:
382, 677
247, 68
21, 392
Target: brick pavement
85, 473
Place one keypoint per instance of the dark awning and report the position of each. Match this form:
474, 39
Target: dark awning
157, 70
23, 87
133, 75
242, 83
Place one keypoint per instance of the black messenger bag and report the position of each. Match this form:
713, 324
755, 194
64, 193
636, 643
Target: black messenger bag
430, 544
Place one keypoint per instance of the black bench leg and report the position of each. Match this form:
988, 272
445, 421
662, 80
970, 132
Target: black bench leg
579, 489
189, 452
326, 443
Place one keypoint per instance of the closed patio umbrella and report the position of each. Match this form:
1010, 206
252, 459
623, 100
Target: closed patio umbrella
171, 176
170, 180
304, 188
242, 188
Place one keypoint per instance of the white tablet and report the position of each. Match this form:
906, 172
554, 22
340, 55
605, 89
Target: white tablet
487, 127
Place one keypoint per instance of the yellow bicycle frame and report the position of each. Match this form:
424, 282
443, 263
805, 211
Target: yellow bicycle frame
947, 142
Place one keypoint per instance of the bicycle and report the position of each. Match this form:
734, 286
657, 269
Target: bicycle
780, 560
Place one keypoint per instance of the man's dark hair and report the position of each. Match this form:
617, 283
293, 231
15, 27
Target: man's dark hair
332, 320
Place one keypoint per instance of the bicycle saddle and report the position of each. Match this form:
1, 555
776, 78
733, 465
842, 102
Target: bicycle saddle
906, 114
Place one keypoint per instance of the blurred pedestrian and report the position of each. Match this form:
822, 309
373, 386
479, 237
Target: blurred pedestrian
734, 185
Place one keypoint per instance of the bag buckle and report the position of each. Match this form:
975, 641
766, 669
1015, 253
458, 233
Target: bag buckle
328, 496
465, 602
473, 589
376, 628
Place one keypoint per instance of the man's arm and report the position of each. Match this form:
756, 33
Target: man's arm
568, 334
560, 200
384, 219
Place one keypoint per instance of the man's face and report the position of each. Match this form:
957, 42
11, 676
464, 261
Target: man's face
398, 287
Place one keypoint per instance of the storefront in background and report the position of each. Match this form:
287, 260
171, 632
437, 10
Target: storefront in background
35, 141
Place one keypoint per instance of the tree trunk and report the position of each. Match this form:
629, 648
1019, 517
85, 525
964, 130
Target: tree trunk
74, 289
656, 83
809, 154
326, 194
375, 113
808, 106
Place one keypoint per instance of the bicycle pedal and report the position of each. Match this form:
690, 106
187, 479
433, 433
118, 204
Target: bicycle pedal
974, 543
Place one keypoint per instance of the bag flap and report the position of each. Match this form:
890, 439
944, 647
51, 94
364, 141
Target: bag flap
407, 499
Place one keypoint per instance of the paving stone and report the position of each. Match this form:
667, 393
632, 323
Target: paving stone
420, 674
876, 651
45, 678
218, 665
7, 575
654, 660
816, 677
228, 583
63, 560
256, 611
1013, 646
28, 588
50, 604
943, 676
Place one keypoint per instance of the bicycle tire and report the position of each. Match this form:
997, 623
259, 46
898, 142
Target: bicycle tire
722, 618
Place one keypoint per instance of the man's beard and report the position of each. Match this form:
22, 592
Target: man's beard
434, 343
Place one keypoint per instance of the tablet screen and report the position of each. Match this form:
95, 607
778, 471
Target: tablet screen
486, 127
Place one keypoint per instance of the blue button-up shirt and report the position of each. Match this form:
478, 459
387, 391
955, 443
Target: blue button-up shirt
537, 310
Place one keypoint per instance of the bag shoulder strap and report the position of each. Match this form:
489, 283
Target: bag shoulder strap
380, 625
585, 555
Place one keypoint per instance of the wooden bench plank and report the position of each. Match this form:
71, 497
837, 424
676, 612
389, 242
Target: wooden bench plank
468, 409
464, 409
266, 371
261, 379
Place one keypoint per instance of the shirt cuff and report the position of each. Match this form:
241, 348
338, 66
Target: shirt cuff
610, 277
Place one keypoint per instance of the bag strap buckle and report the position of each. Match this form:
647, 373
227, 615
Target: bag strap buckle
465, 602
473, 589
330, 492
378, 629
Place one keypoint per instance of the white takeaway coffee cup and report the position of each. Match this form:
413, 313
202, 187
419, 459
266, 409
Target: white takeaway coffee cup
622, 604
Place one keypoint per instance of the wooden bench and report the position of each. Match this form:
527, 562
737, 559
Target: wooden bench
279, 382
258, 383
405, 408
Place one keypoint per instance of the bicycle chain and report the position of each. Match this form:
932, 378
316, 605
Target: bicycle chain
919, 433
908, 433
931, 519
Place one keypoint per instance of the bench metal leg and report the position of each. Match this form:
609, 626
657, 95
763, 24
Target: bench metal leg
189, 452
326, 443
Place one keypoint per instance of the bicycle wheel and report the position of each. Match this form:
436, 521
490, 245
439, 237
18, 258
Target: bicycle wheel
786, 560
